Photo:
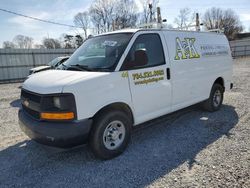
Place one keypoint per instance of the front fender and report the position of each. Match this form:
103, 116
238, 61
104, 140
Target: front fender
93, 94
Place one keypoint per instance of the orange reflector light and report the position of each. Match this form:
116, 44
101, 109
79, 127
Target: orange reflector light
57, 116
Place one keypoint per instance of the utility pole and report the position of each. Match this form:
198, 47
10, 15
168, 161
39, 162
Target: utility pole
197, 25
159, 19
113, 25
150, 6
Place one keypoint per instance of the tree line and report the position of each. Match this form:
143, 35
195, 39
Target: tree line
214, 18
25, 42
108, 15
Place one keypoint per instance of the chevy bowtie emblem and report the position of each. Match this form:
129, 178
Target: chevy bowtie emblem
26, 103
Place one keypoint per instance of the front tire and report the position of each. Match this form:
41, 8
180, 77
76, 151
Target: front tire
110, 134
214, 102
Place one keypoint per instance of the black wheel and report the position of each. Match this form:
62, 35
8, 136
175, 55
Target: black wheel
110, 134
214, 102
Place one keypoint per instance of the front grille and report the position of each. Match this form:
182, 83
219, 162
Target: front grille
31, 103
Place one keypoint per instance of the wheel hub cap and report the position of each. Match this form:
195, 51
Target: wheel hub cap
114, 135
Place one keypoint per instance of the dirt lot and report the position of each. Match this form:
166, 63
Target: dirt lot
189, 148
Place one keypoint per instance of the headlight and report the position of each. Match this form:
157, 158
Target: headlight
57, 102
58, 107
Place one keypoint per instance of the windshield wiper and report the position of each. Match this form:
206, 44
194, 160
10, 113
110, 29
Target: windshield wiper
86, 68
81, 67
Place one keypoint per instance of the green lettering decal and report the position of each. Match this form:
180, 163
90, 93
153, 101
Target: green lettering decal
192, 50
179, 50
186, 49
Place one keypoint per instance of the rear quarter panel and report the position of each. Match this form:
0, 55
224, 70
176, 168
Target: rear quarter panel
194, 77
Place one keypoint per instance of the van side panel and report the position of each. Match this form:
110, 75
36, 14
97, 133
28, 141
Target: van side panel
197, 60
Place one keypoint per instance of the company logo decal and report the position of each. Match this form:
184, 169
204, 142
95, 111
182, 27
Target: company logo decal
148, 77
214, 50
125, 74
185, 49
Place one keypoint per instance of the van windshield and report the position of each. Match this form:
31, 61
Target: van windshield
100, 53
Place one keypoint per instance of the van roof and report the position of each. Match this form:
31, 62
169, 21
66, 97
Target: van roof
156, 29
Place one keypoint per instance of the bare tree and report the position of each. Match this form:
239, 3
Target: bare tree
149, 10
184, 19
227, 20
78, 40
82, 20
125, 14
107, 15
8, 45
95, 20
102, 12
51, 43
22, 41
69, 43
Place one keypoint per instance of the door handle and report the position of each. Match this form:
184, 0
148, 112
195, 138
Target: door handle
168, 73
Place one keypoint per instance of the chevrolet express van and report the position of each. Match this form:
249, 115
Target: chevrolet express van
118, 80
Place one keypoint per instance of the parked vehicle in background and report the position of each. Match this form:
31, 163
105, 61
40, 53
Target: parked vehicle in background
51, 65
121, 79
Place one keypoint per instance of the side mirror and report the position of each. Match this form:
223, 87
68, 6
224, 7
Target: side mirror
141, 57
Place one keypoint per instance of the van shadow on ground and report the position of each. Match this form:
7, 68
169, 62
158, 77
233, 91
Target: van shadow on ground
16, 103
154, 152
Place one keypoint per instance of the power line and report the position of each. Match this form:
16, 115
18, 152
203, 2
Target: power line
38, 19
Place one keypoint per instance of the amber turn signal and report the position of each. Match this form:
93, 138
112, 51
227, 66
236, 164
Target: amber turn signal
57, 116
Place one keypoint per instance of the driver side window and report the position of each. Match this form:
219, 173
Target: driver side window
146, 51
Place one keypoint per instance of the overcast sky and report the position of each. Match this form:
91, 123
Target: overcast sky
63, 11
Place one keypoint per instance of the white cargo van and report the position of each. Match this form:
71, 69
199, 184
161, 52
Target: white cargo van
120, 79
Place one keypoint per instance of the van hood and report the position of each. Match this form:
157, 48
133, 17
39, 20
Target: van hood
53, 81
40, 68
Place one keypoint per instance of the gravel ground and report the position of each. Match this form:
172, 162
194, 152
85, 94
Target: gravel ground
189, 148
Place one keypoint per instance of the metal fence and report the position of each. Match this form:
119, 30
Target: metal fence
240, 51
240, 48
15, 63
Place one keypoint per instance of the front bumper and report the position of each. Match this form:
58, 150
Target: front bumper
59, 134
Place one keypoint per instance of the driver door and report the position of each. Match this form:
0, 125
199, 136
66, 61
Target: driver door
149, 77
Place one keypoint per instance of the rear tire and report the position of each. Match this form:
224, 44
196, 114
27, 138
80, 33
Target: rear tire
110, 134
214, 102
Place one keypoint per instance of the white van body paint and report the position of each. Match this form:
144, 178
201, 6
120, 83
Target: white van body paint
191, 78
